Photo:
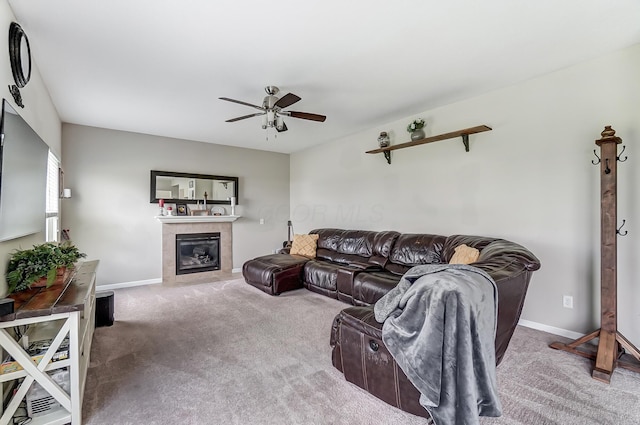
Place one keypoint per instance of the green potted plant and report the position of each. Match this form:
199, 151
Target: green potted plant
416, 129
40, 265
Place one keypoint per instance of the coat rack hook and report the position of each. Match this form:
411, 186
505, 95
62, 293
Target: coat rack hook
593, 161
625, 157
618, 230
607, 170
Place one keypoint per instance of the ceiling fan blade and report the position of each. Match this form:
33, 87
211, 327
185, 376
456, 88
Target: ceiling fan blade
241, 103
284, 128
245, 117
287, 100
307, 116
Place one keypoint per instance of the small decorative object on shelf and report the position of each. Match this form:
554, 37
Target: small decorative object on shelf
161, 204
43, 265
384, 141
232, 201
181, 209
416, 129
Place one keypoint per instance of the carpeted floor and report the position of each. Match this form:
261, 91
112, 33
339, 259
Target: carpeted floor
226, 353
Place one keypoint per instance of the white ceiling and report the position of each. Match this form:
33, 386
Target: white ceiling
159, 66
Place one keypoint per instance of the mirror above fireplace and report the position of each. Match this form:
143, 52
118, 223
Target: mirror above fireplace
188, 188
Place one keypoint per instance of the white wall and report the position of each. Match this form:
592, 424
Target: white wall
110, 216
39, 112
530, 180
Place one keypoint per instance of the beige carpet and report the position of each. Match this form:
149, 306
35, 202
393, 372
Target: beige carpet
226, 353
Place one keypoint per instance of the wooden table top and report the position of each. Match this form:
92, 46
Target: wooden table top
64, 298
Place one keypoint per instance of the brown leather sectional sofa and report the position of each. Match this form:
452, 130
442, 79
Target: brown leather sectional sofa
359, 267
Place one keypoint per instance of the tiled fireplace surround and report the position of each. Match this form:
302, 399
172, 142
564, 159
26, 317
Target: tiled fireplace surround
169, 231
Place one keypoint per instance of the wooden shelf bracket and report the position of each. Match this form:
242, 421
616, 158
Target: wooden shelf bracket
465, 142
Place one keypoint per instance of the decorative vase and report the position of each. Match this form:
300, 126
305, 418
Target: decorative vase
383, 139
417, 134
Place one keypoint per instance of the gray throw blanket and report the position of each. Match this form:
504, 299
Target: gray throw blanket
439, 326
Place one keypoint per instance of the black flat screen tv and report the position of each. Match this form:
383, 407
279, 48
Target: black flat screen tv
23, 177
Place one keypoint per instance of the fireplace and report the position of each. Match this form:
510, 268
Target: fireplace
174, 226
197, 252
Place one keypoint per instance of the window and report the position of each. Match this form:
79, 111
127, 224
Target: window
53, 198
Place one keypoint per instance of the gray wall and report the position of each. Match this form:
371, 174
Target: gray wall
529, 180
110, 217
41, 115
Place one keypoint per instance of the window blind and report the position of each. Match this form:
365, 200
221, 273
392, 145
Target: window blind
53, 198
53, 188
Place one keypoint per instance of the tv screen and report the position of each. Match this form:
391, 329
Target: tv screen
23, 177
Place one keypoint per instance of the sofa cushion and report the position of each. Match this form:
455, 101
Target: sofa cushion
414, 249
344, 245
464, 255
369, 287
382, 245
304, 245
322, 274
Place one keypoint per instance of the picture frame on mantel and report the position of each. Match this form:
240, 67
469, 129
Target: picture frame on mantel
181, 209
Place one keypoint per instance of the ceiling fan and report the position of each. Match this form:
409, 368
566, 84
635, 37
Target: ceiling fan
272, 109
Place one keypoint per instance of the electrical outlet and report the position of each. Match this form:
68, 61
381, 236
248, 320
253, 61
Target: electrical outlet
567, 301
262, 221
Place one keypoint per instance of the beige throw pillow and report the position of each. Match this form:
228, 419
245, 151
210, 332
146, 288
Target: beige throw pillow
464, 255
304, 245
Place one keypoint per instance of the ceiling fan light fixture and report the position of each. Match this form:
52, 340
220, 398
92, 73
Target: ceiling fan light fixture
272, 110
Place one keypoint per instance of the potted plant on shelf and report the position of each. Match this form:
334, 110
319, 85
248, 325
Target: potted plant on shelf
41, 266
416, 129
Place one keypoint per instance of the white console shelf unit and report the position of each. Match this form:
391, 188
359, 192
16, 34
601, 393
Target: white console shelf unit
52, 313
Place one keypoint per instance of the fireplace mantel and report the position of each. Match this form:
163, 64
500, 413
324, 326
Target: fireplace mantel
171, 219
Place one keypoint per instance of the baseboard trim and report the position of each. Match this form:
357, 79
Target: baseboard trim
238, 270
550, 329
113, 286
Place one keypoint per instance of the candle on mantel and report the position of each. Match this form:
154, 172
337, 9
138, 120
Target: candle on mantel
161, 202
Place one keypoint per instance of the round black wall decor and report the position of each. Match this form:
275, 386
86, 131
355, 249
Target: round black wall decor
19, 55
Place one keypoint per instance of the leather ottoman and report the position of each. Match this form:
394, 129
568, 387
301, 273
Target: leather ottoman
359, 353
275, 273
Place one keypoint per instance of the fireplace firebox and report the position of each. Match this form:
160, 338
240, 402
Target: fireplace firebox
197, 252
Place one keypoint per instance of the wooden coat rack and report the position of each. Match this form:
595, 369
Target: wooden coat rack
613, 348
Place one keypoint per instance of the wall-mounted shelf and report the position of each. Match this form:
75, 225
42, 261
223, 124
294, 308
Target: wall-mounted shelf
460, 133
172, 219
